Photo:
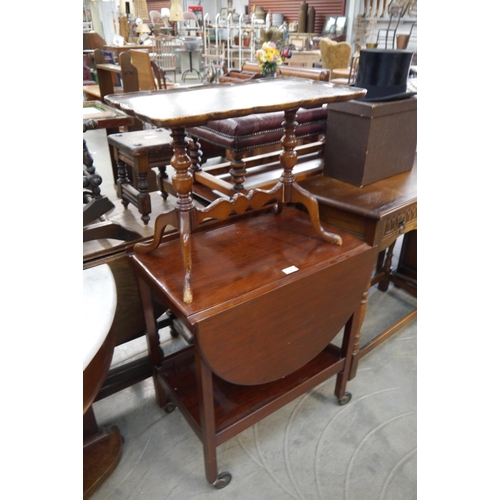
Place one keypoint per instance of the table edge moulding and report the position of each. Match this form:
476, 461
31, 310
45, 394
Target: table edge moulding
177, 109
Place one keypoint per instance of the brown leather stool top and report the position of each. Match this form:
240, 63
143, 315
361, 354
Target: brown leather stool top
242, 134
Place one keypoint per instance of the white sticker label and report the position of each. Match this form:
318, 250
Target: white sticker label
290, 269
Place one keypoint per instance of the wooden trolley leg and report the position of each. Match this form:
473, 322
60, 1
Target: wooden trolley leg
153, 340
207, 421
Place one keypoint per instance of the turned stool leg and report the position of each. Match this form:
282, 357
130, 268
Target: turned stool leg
122, 178
237, 170
195, 153
162, 177
144, 199
142, 170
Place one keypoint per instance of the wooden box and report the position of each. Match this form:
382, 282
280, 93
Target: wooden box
367, 142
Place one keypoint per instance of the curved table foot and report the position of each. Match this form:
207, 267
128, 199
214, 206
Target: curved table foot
300, 195
161, 222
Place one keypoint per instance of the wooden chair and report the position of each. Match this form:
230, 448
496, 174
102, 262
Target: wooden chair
161, 81
353, 68
164, 55
142, 62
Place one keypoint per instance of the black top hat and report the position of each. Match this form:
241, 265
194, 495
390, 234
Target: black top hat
384, 74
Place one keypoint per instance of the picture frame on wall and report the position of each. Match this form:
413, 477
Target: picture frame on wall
223, 12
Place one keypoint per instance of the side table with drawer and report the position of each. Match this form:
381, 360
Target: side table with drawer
378, 213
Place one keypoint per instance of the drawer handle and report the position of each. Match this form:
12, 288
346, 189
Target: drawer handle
402, 226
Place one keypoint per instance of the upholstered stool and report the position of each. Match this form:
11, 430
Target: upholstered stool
141, 150
243, 134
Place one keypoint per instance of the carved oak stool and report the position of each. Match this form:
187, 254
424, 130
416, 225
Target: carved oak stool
141, 150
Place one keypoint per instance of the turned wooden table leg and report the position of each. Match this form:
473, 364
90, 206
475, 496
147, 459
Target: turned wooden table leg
288, 156
182, 217
292, 192
183, 184
207, 416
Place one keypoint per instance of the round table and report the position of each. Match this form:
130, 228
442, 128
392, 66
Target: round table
101, 448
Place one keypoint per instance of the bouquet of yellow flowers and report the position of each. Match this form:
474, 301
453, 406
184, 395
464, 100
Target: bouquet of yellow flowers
269, 58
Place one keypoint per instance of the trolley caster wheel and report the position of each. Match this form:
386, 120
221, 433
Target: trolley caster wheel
223, 480
345, 399
169, 407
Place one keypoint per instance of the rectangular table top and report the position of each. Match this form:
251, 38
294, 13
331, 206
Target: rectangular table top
187, 107
242, 258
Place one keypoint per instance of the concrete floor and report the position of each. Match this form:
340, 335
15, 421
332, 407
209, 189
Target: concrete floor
311, 449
